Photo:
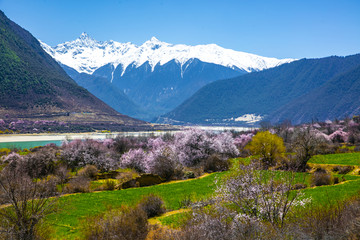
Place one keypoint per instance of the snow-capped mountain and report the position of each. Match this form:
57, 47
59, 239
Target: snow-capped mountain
156, 76
86, 55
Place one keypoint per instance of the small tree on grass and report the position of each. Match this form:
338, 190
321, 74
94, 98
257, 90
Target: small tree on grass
305, 143
123, 223
29, 202
257, 194
268, 147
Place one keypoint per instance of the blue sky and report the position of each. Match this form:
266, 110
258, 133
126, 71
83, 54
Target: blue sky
291, 28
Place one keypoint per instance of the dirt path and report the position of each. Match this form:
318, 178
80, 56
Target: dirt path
156, 220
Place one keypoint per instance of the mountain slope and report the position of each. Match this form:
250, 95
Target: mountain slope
107, 92
34, 85
259, 93
338, 98
157, 76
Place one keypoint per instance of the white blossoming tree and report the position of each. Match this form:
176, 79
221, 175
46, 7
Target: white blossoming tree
260, 194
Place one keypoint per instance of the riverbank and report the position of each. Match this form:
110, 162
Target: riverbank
100, 135
72, 136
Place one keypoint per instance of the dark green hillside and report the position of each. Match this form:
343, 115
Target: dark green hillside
338, 98
262, 92
33, 84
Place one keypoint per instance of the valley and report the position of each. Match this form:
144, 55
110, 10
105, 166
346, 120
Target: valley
149, 80
243, 122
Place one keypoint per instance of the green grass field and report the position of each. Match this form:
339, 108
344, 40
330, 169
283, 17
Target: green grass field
175, 220
339, 159
322, 195
76, 208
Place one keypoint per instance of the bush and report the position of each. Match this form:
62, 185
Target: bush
292, 163
343, 169
357, 149
158, 232
337, 220
162, 165
189, 174
79, 184
89, 171
36, 165
63, 174
215, 163
321, 177
148, 179
126, 176
186, 201
152, 205
326, 148
110, 184
124, 144
125, 223
298, 186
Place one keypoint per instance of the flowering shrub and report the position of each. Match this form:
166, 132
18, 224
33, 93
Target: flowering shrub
224, 144
135, 158
12, 158
339, 136
80, 153
162, 161
188, 148
109, 142
243, 139
192, 146
41, 163
257, 195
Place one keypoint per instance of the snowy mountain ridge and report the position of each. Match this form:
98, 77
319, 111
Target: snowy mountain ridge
85, 55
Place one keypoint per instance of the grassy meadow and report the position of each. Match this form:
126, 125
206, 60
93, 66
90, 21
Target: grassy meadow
75, 208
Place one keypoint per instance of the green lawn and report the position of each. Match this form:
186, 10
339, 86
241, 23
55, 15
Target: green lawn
339, 159
176, 220
332, 193
75, 208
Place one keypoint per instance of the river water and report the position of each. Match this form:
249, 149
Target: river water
22, 141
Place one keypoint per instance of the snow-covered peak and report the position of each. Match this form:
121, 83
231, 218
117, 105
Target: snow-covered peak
85, 54
87, 40
154, 40
84, 35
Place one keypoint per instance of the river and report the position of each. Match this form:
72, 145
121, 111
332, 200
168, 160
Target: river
22, 141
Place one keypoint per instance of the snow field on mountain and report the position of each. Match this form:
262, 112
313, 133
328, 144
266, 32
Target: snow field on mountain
86, 55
